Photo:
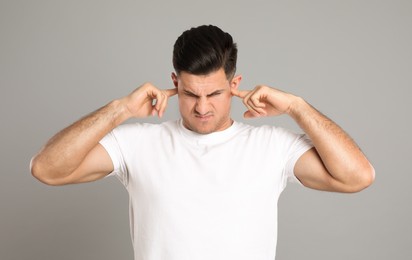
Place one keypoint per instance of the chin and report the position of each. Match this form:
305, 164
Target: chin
203, 130
200, 129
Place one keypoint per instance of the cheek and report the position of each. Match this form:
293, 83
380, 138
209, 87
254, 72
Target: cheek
185, 104
226, 100
223, 102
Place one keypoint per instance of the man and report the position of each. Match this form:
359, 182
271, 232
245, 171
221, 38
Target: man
204, 186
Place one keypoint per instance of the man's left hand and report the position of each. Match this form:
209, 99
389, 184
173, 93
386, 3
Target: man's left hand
265, 101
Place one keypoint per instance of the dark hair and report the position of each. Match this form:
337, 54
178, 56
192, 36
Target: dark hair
205, 49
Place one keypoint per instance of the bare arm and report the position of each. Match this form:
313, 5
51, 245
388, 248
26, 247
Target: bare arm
336, 163
342, 165
74, 154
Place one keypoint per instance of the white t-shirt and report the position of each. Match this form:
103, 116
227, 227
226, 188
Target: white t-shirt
204, 197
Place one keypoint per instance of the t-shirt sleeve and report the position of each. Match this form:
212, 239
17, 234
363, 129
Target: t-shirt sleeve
298, 147
112, 146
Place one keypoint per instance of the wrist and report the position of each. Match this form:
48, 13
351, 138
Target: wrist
120, 111
297, 107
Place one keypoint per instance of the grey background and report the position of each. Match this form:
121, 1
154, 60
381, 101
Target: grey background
60, 60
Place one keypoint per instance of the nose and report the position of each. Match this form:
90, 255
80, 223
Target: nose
202, 106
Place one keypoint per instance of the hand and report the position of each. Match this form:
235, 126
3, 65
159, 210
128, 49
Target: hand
148, 100
264, 101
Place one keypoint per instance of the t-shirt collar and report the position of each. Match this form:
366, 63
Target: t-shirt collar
209, 139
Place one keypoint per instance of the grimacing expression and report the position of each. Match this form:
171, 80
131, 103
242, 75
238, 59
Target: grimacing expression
205, 100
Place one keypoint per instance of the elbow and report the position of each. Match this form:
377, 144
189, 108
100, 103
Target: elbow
41, 173
366, 177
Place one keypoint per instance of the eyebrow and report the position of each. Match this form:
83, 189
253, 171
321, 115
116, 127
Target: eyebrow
187, 92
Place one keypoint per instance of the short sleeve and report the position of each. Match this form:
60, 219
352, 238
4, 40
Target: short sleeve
298, 147
112, 146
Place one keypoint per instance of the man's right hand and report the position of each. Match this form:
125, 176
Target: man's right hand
74, 154
148, 100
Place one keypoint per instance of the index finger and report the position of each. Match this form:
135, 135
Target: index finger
240, 93
170, 92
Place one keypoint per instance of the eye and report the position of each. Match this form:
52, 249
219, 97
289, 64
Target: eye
190, 94
214, 94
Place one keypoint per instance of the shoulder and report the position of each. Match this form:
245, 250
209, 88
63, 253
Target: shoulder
271, 134
129, 133
262, 129
133, 128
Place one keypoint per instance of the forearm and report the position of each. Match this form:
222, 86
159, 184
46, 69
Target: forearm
64, 152
340, 155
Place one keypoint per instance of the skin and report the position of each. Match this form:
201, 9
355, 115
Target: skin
205, 101
335, 163
74, 155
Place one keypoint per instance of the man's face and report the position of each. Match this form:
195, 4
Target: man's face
204, 100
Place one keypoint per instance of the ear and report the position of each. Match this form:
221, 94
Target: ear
174, 79
235, 82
